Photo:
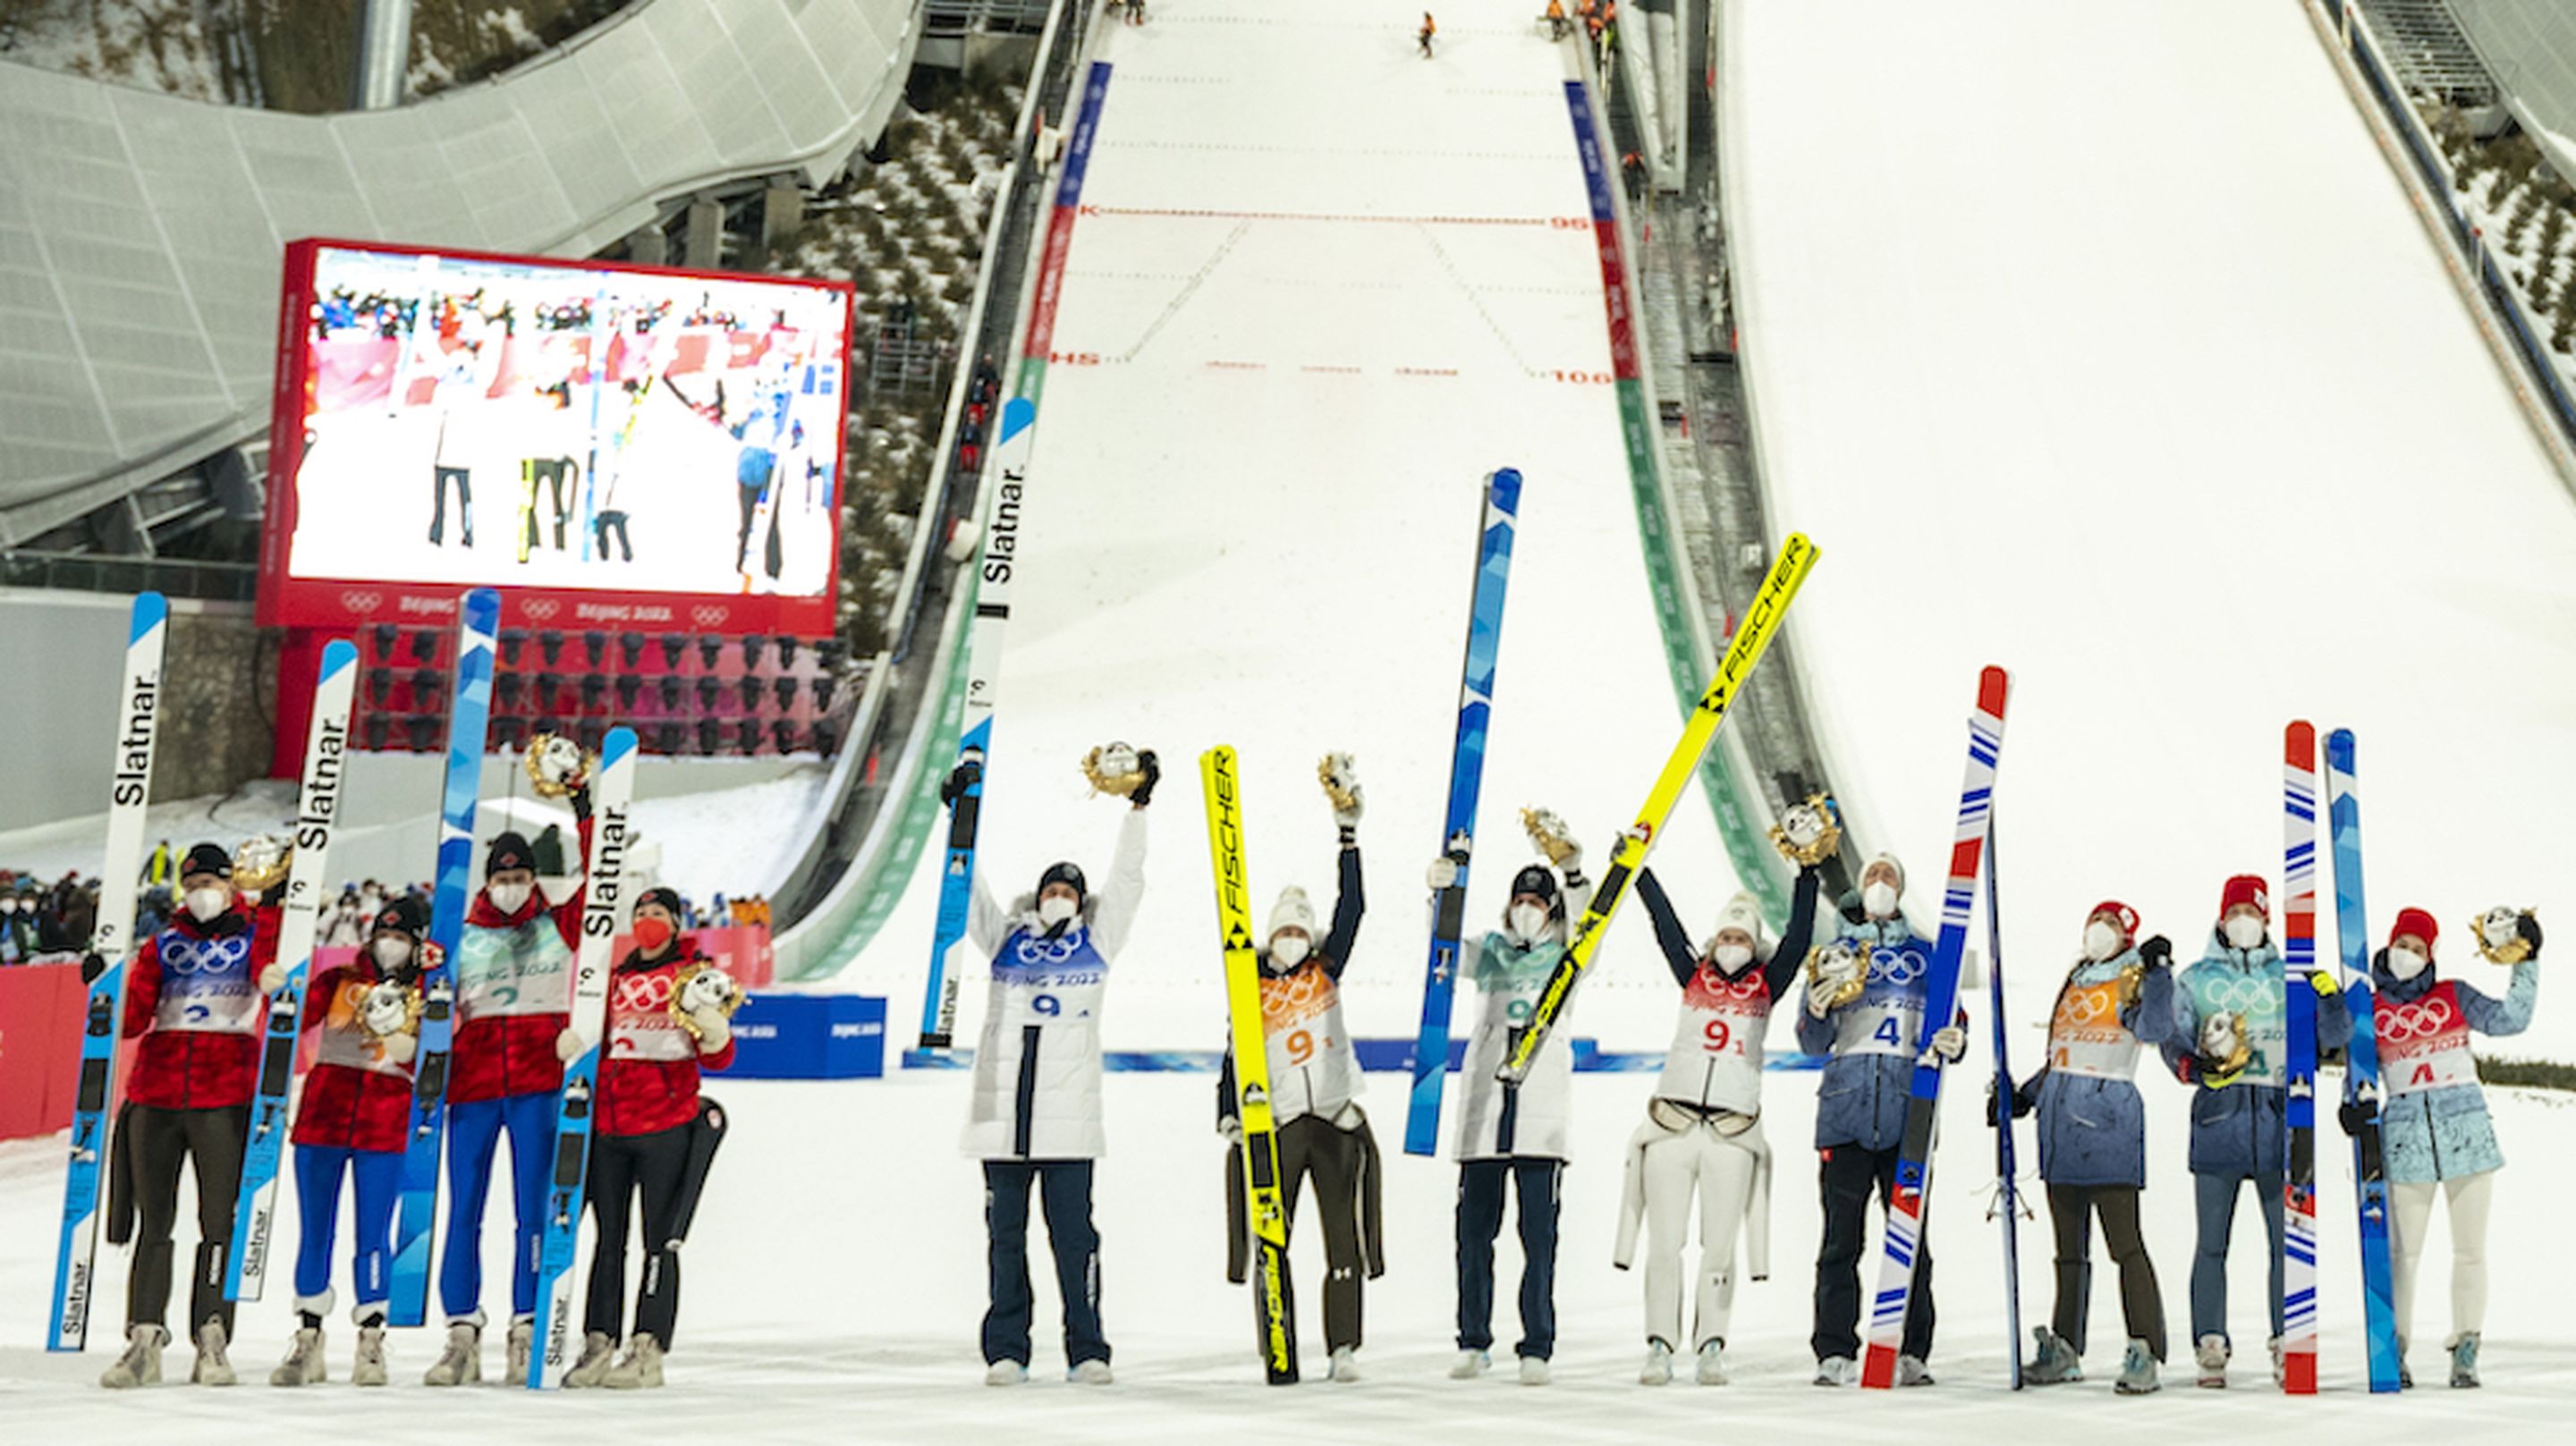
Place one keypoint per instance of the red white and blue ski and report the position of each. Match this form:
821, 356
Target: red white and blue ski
468, 718
2361, 1068
1494, 534
2299, 1061
1906, 1204
129, 796
603, 912
317, 807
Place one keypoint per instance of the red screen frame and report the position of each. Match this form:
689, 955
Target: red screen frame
288, 601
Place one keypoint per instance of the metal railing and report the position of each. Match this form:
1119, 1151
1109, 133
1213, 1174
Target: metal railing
92, 572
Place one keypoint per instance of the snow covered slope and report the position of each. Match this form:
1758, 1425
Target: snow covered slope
2138, 375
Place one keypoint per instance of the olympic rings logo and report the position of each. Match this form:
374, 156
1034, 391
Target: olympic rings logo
643, 993
2080, 1007
2238, 996
707, 616
540, 608
184, 956
1032, 948
2432, 1017
1887, 966
359, 601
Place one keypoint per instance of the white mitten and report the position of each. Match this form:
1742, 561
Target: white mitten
1950, 1042
569, 1045
1442, 874
715, 1031
272, 978
399, 1047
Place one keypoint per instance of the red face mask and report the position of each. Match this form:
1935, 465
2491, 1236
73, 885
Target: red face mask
652, 933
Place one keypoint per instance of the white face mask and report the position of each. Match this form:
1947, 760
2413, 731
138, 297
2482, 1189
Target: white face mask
1528, 920
1288, 950
205, 904
1731, 957
2244, 931
8, 906
1879, 899
2406, 963
2101, 941
391, 951
1055, 909
510, 898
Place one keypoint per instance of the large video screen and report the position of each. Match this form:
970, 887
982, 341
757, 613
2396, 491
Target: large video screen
612, 446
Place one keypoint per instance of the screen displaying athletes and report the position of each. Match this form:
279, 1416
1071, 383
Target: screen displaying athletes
475, 420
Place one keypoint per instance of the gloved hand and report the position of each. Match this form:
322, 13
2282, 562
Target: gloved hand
1152, 768
1950, 1042
2352, 1115
2324, 983
580, 797
961, 778
569, 1045
2211, 1076
2020, 1103
1442, 874
1232, 1131
399, 1047
2157, 952
2529, 932
92, 966
272, 977
715, 1031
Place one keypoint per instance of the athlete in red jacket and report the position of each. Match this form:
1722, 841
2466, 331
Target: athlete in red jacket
668, 1017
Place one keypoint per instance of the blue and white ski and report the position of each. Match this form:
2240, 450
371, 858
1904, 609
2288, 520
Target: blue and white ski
326, 748
469, 716
1906, 1203
603, 910
1001, 539
1494, 532
129, 796
2361, 1069
2299, 1059
2007, 1185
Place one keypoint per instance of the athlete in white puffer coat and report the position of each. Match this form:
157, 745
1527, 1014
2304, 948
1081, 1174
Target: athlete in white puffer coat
1035, 1117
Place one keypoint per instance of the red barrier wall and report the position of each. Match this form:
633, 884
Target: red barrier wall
40, 1021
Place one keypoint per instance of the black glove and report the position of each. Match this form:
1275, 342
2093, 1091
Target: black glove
2529, 930
1152, 768
581, 801
2352, 1115
2157, 952
92, 966
961, 778
1994, 1106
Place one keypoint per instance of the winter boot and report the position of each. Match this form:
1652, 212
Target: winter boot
303, 1363
462, 1361
1093, 1372
1005, 1373
2137, 1371
1469, 1365
1836, 1371
1346, 1366
141, 1363
2211, 1356
598, 1353
2056, 1362
1913, 1371
1534, 1370
1711, 1370
1658, 1369
369, 1369
2464, 1361
523, 1340
642, 1368
213, 1367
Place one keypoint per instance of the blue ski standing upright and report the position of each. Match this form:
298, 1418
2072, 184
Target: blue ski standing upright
317, 808
103, 1015
469, 716
2299, 957
992, 583
2361, 1086
1494, 533
2007, 1182
604, 905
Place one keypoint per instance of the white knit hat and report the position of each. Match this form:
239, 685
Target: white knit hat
1741, 912
1889, 859
1292, 912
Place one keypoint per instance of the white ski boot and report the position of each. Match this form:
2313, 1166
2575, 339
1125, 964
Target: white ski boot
213, 1367
2464, 1361
522, 1341
1913, 1371
1005, 1373
1711, 1370
462, 1362
1836, 1371
303, 1364
1093, 1372
141, 1363
369, 1368
2210, 1354
1346, 1366
1534, 1370
1470, 1365
1658, 1369
642, 1368
2137, 1371
598, 1353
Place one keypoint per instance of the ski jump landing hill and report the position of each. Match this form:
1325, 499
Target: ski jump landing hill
140, 233
1315, 289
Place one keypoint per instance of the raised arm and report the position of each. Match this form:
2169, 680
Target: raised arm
1794, 944
1348, 905
1680, 956
2509, 1015
1125, 891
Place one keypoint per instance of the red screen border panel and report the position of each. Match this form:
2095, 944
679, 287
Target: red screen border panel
289, 600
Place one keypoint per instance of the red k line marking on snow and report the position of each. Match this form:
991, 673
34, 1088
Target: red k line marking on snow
1553, 223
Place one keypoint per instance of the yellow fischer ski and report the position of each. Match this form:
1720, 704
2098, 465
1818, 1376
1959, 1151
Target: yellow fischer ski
1753, 634
1274, 1308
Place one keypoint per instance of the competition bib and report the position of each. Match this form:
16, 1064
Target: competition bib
1888, 1016
345, 1040
206, 985
640, 1022
2424, 1045
2256, 999
2085, 1036
525, 969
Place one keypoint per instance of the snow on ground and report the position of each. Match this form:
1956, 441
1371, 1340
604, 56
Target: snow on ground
2139, 376
1325, 288
835, 1280
148, 44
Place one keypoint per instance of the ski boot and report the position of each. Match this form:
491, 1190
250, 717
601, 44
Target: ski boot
1470, 1365
1093, 1372
1711, 1368
598, 1353
642, 1368
1913, 1371
141, 1363
2137, 1371
213, 1367
462, 1361
1658, 1370
2056, 1362
1534, 1370
522, 1342
2464, 1361
1346, 1366
1005, 1373
303, 1364
1837, 1371
369, 1368
2211, 1354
